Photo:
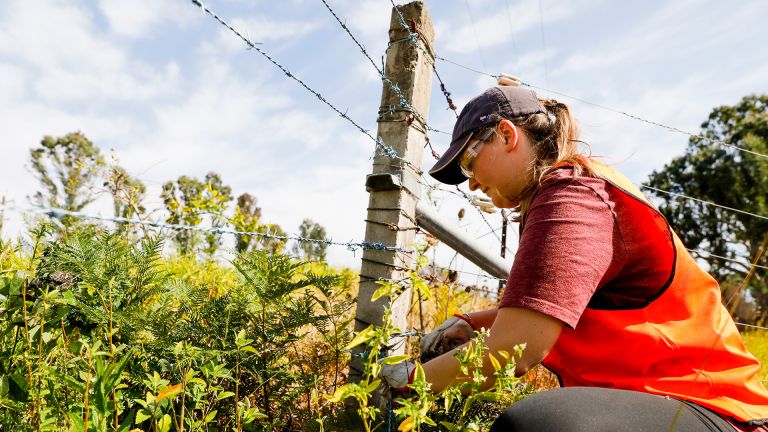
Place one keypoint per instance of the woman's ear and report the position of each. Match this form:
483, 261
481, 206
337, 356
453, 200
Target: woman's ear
510, 133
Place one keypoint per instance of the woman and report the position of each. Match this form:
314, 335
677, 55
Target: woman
602, 292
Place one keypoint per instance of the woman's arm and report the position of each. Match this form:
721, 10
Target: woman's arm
512, 326
483, 319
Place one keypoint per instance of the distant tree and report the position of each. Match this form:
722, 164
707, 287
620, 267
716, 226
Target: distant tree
189, 201
729, 177
311, 251
67, 168
273, 244
127, 192
246, 218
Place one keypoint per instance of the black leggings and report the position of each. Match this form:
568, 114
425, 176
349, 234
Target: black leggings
590, 409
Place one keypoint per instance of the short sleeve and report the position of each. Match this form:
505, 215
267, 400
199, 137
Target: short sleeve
570, 244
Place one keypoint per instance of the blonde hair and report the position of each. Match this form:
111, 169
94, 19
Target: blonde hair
554, 137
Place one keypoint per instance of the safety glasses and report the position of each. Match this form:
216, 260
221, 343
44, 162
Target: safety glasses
469, 155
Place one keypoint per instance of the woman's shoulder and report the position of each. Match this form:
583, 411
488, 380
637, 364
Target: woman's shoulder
567, 182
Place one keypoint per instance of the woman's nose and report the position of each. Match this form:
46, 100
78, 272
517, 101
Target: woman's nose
473, 184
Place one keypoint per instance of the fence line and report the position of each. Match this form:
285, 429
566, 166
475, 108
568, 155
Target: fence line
58, 213
616, 111
402, 99
389, 151
744, 263
704, 202
751, 326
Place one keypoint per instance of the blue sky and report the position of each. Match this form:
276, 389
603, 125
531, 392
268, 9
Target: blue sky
172, 92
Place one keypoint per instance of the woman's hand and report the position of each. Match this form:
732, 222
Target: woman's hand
512, 326
454, 332
398, 376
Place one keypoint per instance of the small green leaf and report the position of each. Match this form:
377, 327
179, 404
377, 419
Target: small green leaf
384, 291
224, 395
488, 396
419, 374
362, 337
142, 415
395, 359
341, 393
211, 415
373, 385
164, 425
494, 362
18, 388
15, 286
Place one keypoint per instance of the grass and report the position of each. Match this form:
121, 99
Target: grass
757, 343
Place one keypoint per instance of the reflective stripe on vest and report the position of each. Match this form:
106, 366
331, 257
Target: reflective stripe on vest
683, 344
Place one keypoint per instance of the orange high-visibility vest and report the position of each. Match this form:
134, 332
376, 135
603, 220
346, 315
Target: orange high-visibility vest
683, 343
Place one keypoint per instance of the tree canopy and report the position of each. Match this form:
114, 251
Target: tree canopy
67, 168
725, 165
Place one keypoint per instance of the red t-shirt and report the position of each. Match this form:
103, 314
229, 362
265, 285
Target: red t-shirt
584, 242
580, 246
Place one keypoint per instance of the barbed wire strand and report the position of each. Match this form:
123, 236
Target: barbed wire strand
703, 202
709, 254
58, 213
385, 149
614, 110
751, 326
395, 88
414, 37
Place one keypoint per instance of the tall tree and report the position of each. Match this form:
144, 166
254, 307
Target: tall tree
127, 192
67, 168
312, 251
189, 201
728, 176
246, 218
275, 243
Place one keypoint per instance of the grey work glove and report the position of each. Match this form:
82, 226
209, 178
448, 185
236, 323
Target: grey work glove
454, 332
398, 376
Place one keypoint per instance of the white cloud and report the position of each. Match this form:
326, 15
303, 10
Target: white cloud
368, 19
495, 26
69, 40
73, 60
260, 29
139, 18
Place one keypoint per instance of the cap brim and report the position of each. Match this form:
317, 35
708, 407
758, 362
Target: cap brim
447, 170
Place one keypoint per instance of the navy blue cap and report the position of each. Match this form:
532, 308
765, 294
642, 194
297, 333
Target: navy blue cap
483, 110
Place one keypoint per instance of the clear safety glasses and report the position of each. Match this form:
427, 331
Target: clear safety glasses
468, 156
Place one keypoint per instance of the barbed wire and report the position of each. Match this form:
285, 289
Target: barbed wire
395, 88
616, 111
58, 213
709, 254
751, 326
385, 149
703, 202
414, 36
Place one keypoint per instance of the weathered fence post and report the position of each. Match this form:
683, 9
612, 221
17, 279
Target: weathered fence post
394, 184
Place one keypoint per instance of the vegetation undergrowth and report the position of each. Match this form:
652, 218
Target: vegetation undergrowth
101, 332
464, 406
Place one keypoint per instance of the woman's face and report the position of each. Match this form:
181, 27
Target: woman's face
501, 166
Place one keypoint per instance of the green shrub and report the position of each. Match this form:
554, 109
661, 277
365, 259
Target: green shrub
102, 332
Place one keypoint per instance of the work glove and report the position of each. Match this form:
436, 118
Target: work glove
454, 332
398, 376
